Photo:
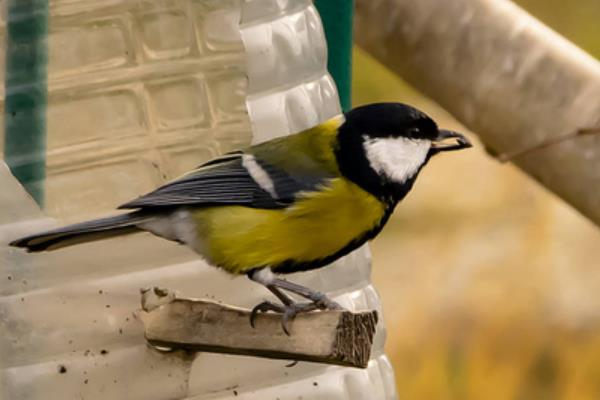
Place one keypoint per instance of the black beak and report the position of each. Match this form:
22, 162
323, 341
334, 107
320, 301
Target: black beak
449, 141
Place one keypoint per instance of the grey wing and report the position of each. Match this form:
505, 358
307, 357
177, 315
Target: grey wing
234, 179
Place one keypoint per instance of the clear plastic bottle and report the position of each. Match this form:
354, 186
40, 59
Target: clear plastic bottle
137, 93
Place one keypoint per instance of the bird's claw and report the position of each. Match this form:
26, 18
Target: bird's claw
324, 303
265, 306
288, 312
292, 310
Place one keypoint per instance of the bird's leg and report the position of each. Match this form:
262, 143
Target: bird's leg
320, 300
289, 309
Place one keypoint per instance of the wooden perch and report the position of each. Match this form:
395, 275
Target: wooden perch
331, 337
504, 75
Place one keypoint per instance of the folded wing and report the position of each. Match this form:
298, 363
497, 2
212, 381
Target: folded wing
233, 179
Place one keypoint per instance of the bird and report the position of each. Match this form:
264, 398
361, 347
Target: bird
290, 204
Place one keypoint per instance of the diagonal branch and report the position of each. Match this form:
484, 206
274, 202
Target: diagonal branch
503, 74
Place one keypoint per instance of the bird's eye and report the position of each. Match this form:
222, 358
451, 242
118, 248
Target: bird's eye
414, 131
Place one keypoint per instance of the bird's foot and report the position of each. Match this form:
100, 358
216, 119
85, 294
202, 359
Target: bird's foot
322, 302
287, 312
264, 307
290, 311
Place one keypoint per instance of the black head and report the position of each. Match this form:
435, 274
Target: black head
392, 120
383, 146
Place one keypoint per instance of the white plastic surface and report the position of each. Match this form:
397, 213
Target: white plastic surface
66, 316
289, 88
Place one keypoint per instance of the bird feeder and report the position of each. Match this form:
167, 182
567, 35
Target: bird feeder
105, 100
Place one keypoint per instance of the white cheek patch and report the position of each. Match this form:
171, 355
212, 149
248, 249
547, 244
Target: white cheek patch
397, 158
259, 175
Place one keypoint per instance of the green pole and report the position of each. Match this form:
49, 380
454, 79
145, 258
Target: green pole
337, 22
26, 93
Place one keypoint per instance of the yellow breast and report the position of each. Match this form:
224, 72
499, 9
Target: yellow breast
318, 225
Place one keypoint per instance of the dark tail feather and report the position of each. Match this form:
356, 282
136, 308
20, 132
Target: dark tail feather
83, 232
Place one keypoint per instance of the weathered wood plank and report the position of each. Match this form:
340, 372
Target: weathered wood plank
331, 337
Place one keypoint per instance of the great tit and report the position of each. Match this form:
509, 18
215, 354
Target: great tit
291, 204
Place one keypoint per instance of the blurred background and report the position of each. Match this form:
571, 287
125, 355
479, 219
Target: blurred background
490, 283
